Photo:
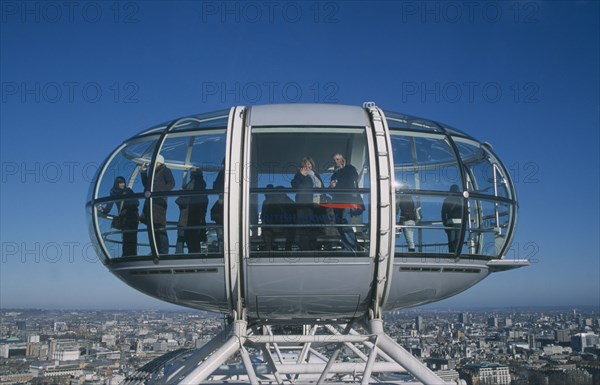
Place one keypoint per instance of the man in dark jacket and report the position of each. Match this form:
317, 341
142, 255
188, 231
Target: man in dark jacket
163, 181
277, 209
127, 215
452, 211
345, 177
198, 204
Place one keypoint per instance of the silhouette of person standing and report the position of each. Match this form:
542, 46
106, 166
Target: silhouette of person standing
163, 181
344, 177
452, 211
128, 213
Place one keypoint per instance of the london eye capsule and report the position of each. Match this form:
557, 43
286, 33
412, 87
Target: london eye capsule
302, 211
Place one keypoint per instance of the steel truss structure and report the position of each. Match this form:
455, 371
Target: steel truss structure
358, 352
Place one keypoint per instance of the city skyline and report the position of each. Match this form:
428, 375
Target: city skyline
522, 76
527, 347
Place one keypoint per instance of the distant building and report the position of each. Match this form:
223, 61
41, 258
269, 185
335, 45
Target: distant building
448, 375
516, 334
458, 335
47, 369
33, 338
463, 318
484, 372
37, 349
562, 335
66, 354
109, 340
581, 341
437, 364
554, 349
492, 322
160, 346
419, 323
62, 350
21, 326
12, 347
139, 347
60, 326
17, 378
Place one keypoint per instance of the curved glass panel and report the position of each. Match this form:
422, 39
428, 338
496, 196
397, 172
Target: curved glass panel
91, 215
301, 198
192, 162
485, 176
488, 226
398, 121
424, 162
176, 203
429, 221
126, 163
211, 120
118, 222
453, 131
419, 224
158, 129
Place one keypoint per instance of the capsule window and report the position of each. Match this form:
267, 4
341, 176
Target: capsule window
309, 190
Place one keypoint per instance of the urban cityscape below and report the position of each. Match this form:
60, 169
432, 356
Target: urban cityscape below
513, 346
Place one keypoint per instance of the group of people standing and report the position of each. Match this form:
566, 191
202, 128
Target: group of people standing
312, 208
409, 215
192, 210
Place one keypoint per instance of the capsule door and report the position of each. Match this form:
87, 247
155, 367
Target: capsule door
306, 240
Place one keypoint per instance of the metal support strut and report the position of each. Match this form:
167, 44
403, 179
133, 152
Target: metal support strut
322, 353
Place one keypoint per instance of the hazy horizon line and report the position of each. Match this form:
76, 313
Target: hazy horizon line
405, 310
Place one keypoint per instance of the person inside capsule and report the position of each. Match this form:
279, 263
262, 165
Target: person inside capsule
305, 182
126, 218
192, 218
405, 206
345, 177
217, 210
452, 210
163, 181
277, 209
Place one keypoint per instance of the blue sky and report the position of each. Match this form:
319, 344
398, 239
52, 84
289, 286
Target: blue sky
80, 77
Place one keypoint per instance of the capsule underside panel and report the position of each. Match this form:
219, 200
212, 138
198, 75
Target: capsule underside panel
417, 282
308, 287
188, 283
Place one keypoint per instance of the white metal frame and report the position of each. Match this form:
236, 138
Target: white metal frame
373, 352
